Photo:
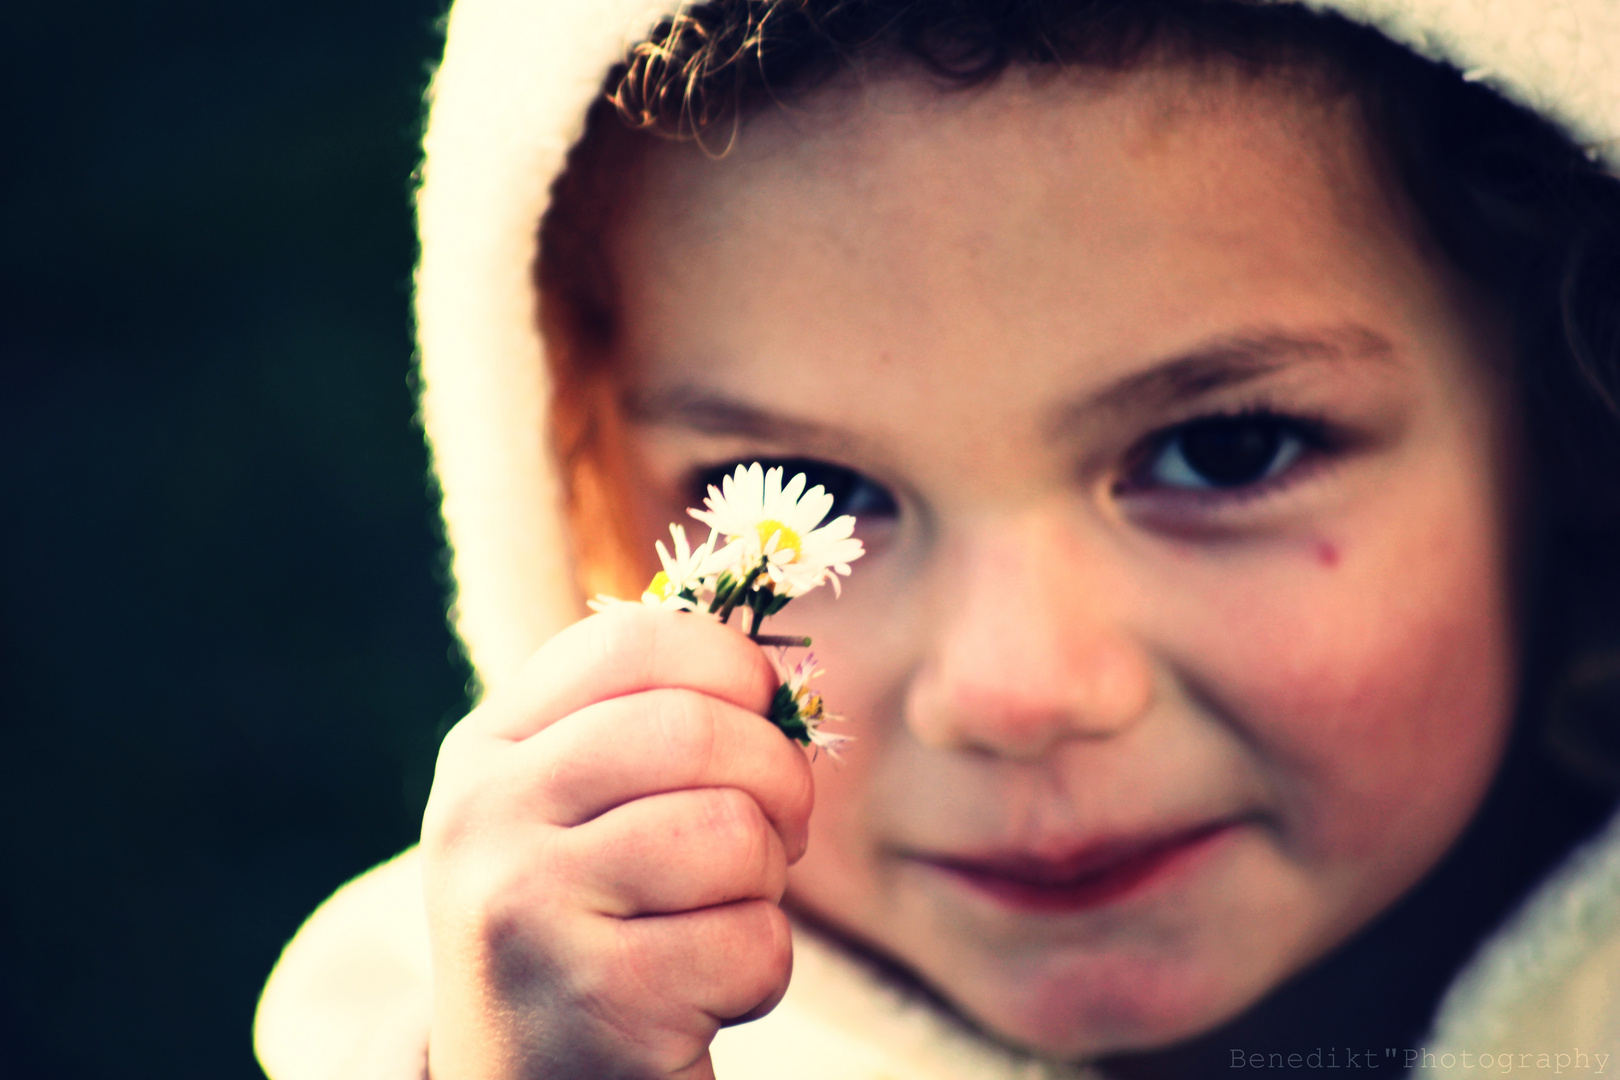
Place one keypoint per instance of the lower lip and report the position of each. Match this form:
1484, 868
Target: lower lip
1117, 881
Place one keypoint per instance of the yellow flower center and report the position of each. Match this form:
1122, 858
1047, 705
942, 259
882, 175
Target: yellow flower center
789, 539
659, 584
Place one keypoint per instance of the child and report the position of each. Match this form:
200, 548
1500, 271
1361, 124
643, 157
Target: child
1228, 399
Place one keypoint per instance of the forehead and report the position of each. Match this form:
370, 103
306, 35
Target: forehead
964, 164
1074, 221
895, 116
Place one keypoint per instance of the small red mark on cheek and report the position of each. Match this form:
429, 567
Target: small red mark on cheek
1326, 552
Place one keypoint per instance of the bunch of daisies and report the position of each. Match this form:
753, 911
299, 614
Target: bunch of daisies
766, 546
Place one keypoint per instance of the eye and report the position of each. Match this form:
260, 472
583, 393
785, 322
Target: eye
852, 492
1223, 452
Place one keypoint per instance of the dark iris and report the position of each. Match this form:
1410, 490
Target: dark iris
852, 493
1231, 451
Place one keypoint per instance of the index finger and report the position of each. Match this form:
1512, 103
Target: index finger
627, 650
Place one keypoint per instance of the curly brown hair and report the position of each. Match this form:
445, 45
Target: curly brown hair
1519, 209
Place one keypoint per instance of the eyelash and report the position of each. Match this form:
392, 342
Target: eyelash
870, 501
1313, 436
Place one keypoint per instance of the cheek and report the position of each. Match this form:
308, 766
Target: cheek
869, 645
840, 876
1377, 687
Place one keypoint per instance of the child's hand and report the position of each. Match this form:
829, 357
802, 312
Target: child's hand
604, 850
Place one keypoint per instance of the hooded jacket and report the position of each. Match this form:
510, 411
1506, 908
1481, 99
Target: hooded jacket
349, 997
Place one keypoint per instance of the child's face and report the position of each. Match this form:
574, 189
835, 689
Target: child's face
1152, 709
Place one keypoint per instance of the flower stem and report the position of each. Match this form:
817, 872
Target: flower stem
786, 641
747, 583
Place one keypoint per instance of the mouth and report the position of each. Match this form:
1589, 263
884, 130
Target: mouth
1096, 875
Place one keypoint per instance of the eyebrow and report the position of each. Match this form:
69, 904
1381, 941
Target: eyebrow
1218, 364
1226, 362
703, 411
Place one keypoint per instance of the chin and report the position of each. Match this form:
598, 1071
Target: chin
1092, 1006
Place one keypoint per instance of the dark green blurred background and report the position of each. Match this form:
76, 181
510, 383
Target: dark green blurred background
225, 659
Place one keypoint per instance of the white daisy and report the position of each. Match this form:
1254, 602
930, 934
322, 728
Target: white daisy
780, 526
680, 584
685, 573
798, 710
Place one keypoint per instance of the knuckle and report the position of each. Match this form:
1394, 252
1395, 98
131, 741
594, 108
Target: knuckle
455, 755
468, 811
559, 774
770, 949
751, 854
686, 726
495, 888
731, 816
448, 821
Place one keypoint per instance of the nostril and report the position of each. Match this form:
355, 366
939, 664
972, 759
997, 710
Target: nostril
1021, 735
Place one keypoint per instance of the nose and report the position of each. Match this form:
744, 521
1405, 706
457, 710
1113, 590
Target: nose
1033, 652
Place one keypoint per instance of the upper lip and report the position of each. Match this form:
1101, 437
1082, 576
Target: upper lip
1079, 862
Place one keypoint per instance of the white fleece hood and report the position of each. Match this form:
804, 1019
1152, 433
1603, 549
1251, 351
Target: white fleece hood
507, 104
